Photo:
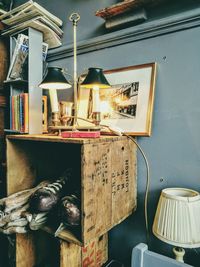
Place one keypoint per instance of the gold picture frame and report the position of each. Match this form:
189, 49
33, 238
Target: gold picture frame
128, 104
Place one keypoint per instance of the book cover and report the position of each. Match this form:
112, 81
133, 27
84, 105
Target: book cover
19, 56
18, 69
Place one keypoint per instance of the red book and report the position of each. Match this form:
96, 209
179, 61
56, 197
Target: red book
80, 134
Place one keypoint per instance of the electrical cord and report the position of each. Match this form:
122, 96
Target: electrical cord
147, 184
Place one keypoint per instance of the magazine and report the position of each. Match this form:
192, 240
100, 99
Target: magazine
18, 67
41, 24
27, 7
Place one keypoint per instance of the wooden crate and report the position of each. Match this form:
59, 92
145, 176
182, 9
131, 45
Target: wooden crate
93, 254
104, 172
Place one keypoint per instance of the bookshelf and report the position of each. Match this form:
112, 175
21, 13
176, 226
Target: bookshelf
30, 86
103, 172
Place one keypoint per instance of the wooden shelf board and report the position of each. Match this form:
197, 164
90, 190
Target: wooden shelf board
50, 138
123, 7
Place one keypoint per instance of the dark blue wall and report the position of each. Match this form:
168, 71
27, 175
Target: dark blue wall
173, 150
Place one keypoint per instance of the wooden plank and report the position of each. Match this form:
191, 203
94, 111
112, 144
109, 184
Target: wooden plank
25, 250
95, 253
53, 138
108, 186
96, 190
20, 172
70, 254
124, 6
20, 178
123, 179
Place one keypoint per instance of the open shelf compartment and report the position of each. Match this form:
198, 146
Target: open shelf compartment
104, 172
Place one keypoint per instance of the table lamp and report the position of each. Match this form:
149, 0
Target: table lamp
177, 219
95, 80
54, 80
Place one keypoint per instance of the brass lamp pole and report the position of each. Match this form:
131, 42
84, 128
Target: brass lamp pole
75, 17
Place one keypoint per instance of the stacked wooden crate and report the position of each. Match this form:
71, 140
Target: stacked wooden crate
105, 174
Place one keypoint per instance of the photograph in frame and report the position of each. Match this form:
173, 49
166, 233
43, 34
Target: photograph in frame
128, 104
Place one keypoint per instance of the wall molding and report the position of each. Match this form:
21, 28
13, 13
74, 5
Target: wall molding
182, 21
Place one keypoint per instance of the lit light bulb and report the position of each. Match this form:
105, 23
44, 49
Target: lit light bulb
96, 99
54, 100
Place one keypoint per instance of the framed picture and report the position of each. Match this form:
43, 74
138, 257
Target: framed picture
128, 104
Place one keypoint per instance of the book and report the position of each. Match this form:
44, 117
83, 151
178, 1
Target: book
26, 112
44, 114
18, 69
19, 113
26, 8
80, 134
13, 21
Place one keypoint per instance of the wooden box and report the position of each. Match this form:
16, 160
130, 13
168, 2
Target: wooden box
104, 172
41, 249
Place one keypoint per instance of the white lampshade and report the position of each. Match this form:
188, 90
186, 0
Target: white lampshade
177, 219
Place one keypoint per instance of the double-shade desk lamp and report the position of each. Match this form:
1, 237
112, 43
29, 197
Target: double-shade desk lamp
55, 80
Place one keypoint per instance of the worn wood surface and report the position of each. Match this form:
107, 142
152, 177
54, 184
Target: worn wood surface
70, 254
20, 177
105, 174
95, 253
25, 250
108, 186
124, 6
20, 173
53, 138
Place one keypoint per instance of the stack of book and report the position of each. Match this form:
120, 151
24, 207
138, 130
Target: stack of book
19, 113
31, 14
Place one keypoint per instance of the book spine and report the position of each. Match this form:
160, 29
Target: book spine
26, 113
44, 113
11, 115
21, 113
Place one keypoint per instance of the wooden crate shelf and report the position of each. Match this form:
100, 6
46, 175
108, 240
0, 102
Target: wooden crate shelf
104, 171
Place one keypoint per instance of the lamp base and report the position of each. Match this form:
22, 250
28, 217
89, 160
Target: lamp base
76, 131
179, 253
71, 128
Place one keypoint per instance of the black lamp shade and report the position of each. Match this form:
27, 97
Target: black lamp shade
95, 77
54, 79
